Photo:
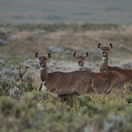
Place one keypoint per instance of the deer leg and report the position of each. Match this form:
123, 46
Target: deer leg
43, 83
40, 86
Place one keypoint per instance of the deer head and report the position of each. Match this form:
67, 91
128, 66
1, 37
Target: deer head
80, 58
42, 59
105, 49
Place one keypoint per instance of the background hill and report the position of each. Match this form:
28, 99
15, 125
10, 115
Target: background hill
38, 11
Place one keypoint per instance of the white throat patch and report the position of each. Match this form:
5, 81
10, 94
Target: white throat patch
43, 86
41, 68
104, 58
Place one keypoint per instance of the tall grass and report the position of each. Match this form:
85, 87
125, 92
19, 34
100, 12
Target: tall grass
45, 111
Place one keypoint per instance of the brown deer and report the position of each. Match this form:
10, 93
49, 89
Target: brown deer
58, 81
105, 50
105, 67
43, 65
81, 60
110, 76
65, 83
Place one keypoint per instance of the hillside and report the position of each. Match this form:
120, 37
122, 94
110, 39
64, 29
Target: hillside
41, 11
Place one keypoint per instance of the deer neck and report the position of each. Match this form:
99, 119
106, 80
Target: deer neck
81, 68
44, 74
104, 64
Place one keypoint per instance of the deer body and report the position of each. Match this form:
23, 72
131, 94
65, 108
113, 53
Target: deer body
79, 82
61, 82
106, 79
127, 73
70, 82
83, 82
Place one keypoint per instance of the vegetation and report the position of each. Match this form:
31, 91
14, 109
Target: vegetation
24, 109
45, 111
63, 26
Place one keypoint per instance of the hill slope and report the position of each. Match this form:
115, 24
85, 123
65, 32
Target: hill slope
37, 11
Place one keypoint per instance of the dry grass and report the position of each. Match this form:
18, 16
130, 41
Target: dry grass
79, 39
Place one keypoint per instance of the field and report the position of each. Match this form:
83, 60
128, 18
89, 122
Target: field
24, 109
43, 111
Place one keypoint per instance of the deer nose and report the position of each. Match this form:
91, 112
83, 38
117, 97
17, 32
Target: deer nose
105, 54
81, 63
42, 64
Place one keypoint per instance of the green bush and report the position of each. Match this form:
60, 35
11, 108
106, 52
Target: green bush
129, 99
45, 111
5, 87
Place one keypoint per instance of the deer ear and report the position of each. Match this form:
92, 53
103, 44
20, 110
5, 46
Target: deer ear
111, 45
36, 54
87, 54
49, 55
74, 54
99, 45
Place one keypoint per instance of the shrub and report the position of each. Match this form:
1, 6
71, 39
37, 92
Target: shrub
129, 99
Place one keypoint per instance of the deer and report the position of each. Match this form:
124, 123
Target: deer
81, 59
67, 83
101, 75
105, 67
43, 65
105, 50
57, 81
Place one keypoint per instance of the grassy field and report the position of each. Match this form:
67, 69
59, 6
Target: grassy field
83, 37
64, 26
28, 110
